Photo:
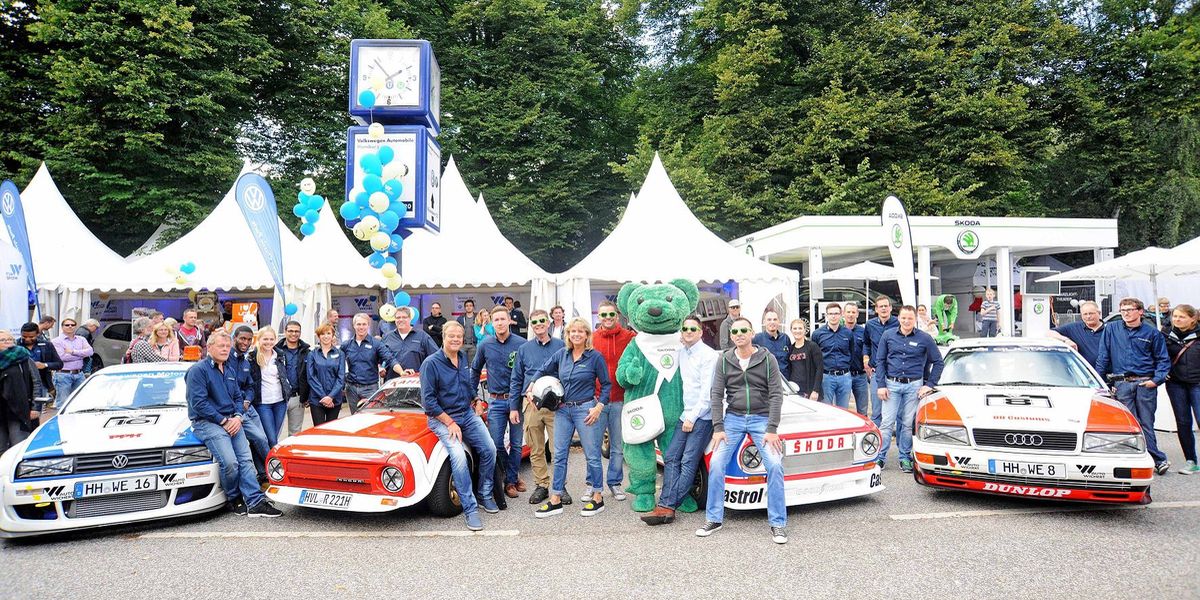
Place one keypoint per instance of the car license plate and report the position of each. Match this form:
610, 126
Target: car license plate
125, 485
1026, 469
811, 445
325, 499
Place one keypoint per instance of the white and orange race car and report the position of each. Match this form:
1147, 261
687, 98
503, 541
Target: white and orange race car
1031, 418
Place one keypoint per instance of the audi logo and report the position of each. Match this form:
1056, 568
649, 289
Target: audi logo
1023, 439
120, 461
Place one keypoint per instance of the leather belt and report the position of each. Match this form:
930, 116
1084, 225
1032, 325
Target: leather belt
904, 379
70, 371
1135, 377
499, 396
838, 372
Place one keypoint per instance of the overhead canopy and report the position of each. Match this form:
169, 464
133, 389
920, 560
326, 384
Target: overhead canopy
865, 271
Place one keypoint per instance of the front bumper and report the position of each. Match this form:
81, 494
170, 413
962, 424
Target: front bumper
748, 493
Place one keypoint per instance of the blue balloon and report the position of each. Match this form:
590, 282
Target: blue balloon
302, 197
388, 221
400, 211
393, 189
397, 243
366, 98
188, 267
375, 260
311, 216
416, 314
308, 229
403, 298
363, 200
290, 309
386, 154
370, 164
396, 205
299, 210
391, 260
349, 211
316, 202
372, 184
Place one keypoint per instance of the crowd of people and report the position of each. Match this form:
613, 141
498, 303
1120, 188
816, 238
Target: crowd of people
247, 384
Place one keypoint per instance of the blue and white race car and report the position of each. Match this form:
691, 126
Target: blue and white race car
121, 450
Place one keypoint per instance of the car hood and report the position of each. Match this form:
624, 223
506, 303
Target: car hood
1021, 408
86, 433
800, 415
362, 436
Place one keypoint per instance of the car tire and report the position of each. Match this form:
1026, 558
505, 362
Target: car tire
443, 498
700, 487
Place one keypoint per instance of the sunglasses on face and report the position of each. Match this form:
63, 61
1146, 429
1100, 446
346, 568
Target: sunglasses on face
687, 328
537, 321
68, 324
739, 330
607, 315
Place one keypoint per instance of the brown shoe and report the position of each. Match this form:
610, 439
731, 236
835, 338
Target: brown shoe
520, 485
659, 516
510, 490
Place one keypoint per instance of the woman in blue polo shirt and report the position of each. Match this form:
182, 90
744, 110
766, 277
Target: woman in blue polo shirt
326, 377
579, 367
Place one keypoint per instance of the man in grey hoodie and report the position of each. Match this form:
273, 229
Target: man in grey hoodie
747, 399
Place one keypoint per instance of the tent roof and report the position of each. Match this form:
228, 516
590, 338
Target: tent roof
223, 250
151, 244
330, 257
659, 239
865, 270
65, 252
469, 250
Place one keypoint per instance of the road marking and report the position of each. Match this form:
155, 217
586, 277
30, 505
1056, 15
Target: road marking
323, 534
1034, 511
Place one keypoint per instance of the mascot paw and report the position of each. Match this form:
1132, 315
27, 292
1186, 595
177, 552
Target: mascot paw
688, 505
643, 503
633, 373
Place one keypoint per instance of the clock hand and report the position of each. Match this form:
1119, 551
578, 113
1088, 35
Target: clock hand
380, 65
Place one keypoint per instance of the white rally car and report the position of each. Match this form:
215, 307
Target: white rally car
828, 454
1028, 417
121, 450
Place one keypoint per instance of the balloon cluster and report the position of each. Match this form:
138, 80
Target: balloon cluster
308, 206
387, 312
374, 210
182, 271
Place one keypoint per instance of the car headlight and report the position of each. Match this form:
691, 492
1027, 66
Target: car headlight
870, 444
392, 479
46, 467
750, 459
1114, 443
275, 469
944, 434
190, 454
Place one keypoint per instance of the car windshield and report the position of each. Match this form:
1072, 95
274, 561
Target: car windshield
1050, 366
129, 391
396, 397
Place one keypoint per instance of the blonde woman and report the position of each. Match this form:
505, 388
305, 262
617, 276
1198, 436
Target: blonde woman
164, 342
579, 367
268, 369
483, 325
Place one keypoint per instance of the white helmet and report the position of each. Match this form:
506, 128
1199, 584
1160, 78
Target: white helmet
547, 392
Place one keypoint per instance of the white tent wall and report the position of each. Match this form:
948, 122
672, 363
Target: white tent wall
757, 296
1179, 290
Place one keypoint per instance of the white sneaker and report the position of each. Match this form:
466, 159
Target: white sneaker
779, 535
617, 492
1189, 468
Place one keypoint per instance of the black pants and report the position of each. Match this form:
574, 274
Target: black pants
11, 431
320, 414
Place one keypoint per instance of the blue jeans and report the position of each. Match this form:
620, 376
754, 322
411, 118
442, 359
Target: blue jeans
876, 403
858, 384
990, 328
1142, 402
610, 419
836, 390
65, 383
902, 405
358, 391
681, 461
234, 463
256, 436
497, 424
567, 420
737, 426
1185, 401
272, 416
475, 435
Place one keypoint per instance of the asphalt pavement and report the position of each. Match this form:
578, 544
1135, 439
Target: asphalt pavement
906, 541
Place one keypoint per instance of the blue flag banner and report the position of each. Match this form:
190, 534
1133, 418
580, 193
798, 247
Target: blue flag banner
14, 220
257, 202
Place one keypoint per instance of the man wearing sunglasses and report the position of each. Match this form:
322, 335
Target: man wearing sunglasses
73, 350
610, 340
539, 423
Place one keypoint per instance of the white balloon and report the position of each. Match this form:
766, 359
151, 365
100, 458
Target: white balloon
394, 170
370, 225
387, 312
1074, 303
375, 131
380, 242
379, 202
308, 186
393, 283
388, 269
361, 231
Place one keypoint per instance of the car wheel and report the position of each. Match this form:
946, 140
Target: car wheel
700, 486
443, 499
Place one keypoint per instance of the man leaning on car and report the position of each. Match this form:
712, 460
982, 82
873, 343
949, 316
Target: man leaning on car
214, 406
1133, 355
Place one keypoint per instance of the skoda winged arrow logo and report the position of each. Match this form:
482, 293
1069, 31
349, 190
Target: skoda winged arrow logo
254, 198
637, 422
897, 236
1038, 308
667, 361
968, 241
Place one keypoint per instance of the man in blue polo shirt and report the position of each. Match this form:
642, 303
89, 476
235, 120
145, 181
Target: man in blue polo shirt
908, 365
449, 401
364, 357
406, 347
1083, 335
873, 332
775, 341
1134, 353
499, 353
858, 375
215, 408
539, 423
837, 345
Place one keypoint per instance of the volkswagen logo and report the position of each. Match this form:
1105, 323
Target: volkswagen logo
120, 461
254, 198
9, 204
1022, 439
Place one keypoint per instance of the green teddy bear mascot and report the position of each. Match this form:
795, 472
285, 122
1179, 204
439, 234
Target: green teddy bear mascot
648, 371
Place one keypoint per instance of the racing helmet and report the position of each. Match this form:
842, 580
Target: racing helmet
547, 392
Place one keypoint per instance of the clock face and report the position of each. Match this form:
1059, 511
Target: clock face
394, 73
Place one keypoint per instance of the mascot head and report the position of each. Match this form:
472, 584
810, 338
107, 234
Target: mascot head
658, 307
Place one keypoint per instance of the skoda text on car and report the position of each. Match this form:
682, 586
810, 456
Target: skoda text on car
382, 458
121, 450
1031, 418
828, 454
